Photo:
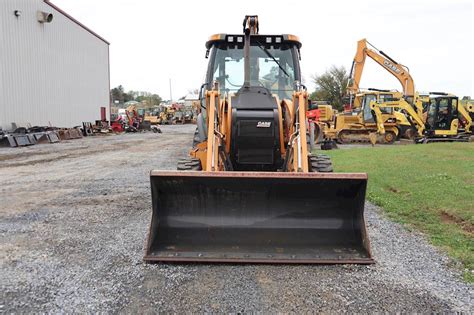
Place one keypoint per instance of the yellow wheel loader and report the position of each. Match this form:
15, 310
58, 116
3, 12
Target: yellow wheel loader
250, 190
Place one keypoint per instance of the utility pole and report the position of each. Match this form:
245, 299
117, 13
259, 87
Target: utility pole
171, 94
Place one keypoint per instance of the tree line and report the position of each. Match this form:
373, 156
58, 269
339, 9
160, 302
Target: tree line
118, 94
330, 86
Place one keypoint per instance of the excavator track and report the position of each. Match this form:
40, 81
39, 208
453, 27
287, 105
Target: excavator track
362, 136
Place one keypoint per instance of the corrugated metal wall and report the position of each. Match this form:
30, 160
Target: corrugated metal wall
53, 73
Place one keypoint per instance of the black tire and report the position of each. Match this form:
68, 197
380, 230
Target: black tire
410, 134
196, 138
189, 164
389, 137
310, 136
320, 163
317, 134
328, 145
400, 132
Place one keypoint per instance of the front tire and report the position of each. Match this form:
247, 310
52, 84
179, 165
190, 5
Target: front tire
389, 137
196, 138
320, 163
189, 164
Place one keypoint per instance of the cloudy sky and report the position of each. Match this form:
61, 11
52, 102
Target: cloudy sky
152, 41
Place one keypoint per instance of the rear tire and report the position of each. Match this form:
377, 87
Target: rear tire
410, 134
310, 134
320, 163
196, 138
189, 164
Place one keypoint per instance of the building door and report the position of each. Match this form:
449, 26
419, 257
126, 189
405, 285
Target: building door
103, 113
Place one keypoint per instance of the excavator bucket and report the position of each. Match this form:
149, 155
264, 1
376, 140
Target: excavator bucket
258, 217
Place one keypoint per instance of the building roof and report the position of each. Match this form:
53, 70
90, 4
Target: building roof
191, 96
75, 21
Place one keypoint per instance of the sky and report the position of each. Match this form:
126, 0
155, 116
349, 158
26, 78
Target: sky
155, 41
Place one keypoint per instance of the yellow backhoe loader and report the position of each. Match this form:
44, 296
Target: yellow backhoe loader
446, 119
250, 190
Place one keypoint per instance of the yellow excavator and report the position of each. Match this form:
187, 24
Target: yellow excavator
250, 190
469, 106
399, 71
444, 119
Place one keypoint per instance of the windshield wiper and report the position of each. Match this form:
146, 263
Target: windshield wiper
274, 59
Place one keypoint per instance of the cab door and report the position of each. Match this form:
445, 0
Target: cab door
366, 111
442, 114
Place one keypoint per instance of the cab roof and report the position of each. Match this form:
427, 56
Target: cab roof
266, 39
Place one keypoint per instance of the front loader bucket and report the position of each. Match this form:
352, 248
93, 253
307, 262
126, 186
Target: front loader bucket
258, 217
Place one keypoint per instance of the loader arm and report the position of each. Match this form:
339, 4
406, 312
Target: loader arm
399, 71
213, 140
378, 117
299, 146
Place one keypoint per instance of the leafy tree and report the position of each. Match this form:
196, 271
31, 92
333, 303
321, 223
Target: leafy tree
156, 99
118, 94
149, 99
331, 86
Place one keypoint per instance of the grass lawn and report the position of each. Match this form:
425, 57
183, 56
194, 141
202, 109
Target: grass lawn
429, 187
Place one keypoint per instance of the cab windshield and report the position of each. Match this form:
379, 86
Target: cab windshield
373, 97
276, 74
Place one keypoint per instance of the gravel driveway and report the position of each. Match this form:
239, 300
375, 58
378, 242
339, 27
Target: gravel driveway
73, 222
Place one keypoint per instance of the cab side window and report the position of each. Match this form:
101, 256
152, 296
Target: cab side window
366, 107
454, 107
443, 113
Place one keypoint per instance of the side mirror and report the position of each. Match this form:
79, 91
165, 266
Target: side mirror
202, 96
201, 91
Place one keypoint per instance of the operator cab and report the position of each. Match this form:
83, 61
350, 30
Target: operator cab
442, 113
274, 63
254, 74
378, 97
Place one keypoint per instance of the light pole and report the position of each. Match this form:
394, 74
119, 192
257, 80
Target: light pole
171, 94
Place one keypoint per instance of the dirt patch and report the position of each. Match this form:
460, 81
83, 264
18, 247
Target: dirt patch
466, 226
398, 191
394, 190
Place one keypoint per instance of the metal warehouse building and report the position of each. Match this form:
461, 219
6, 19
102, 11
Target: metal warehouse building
54, 70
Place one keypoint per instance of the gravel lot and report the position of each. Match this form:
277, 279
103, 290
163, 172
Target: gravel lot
73, 225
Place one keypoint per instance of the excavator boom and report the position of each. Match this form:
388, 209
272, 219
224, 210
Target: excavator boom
399, 71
